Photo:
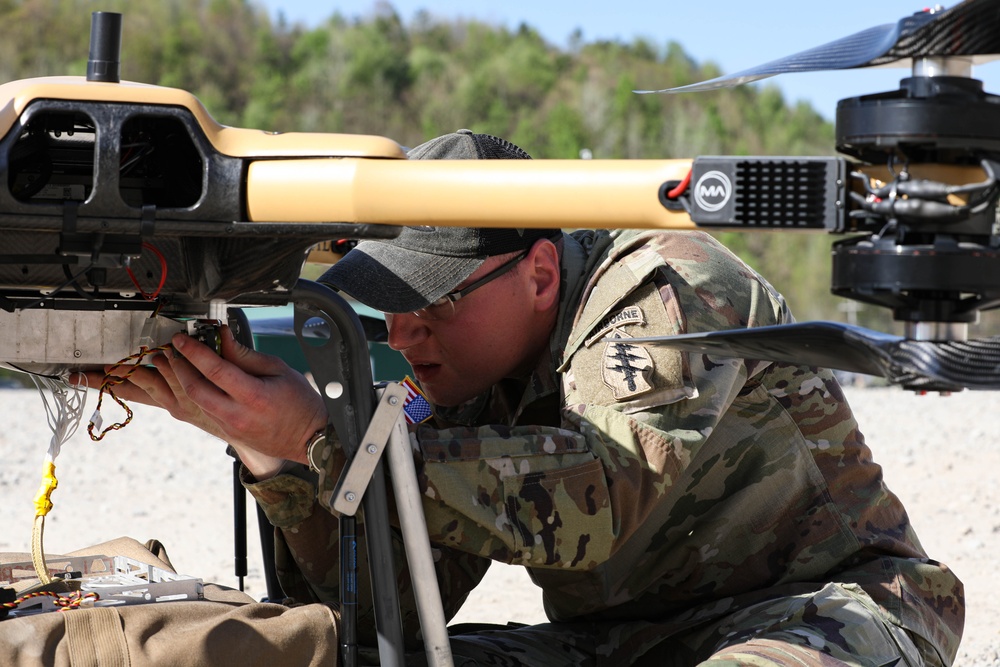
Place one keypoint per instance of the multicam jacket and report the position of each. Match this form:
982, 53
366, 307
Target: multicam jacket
638, 483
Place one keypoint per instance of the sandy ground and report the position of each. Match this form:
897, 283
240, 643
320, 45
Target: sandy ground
158, 478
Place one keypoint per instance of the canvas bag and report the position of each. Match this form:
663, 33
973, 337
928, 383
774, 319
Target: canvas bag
226, 628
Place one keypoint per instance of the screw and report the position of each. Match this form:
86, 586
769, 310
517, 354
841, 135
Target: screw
350, 497
372, 449
393, 400
77, 353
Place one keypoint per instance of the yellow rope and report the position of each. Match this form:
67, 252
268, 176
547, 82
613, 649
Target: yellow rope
37, 554
43, 503
43, 499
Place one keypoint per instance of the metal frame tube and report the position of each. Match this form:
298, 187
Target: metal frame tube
343, 361
413, 524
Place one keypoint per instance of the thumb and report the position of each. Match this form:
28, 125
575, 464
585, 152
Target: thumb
245, 358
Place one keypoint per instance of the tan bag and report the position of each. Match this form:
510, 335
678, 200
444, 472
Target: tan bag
226, 628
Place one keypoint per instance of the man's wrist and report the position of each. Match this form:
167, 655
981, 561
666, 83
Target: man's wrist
314, 448
261, 466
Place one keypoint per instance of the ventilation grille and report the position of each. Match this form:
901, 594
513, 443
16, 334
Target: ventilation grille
781, 194
769, 192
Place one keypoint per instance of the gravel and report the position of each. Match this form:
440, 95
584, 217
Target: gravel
159, 478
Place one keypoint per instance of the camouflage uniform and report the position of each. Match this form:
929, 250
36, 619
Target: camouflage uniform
673, 508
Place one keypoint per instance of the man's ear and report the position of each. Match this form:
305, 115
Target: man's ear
543, 262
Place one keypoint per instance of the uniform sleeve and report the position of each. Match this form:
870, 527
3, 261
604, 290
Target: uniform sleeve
307, 557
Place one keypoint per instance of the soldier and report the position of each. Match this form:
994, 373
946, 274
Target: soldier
675, 509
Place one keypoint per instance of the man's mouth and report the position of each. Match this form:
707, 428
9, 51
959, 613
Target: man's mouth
425, 372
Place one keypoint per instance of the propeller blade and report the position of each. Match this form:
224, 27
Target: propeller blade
971, 28
933, 366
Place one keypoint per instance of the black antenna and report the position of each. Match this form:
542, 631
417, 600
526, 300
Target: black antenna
105, 47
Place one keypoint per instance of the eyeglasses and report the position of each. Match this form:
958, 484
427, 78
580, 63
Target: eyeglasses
444, 308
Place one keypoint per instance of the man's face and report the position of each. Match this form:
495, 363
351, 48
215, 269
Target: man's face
496, 332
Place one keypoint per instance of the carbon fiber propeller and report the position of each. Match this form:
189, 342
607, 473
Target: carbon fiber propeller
921, 365
969, 29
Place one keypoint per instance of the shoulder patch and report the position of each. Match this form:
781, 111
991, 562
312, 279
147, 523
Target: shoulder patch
627, 369
610, 370
630, 315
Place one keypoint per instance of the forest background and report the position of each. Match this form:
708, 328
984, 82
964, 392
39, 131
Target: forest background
413, 80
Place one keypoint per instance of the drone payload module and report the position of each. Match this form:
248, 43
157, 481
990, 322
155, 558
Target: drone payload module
126, 210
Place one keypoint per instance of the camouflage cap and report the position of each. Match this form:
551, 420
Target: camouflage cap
423, 264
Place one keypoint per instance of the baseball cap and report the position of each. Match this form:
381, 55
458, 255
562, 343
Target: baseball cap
424, 263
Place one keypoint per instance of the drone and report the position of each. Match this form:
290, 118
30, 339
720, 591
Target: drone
128, 214
924, 240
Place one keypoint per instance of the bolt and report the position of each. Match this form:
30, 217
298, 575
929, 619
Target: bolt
372, 449
350, 497
393, 400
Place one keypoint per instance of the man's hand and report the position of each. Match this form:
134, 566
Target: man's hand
266, 410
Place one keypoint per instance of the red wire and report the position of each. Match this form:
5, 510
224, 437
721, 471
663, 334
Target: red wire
70, 601
679, 190
163, 273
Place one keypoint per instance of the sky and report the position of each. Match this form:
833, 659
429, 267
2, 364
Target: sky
734, 34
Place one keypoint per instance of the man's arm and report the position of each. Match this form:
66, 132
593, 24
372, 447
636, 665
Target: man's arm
255, 402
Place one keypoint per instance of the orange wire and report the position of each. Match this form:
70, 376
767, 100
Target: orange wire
113, 380
71, 601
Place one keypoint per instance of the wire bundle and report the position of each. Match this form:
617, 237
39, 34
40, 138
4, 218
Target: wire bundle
64, 404
64, 602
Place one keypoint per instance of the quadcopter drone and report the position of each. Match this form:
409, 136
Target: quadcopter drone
127, 213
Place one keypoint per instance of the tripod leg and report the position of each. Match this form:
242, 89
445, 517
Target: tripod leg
239, 525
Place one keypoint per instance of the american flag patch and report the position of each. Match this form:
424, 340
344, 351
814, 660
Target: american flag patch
416, 409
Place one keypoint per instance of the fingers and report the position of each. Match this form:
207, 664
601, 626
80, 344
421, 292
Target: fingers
239, 372
257, 400
232, 396
247, 359
140, 386
129, 383
201, 373
254, 401
159, 384
89, 379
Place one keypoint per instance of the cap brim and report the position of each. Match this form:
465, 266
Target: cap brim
415, 280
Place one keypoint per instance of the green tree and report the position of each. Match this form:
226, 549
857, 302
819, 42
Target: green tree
379, 74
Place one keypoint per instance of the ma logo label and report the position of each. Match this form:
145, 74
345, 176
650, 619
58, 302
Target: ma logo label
713, 191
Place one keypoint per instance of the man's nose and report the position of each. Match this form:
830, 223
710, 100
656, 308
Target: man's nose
405, 330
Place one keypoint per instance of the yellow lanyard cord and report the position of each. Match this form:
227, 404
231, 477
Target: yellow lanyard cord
64, 405
43, 499
59, 422
43, 503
